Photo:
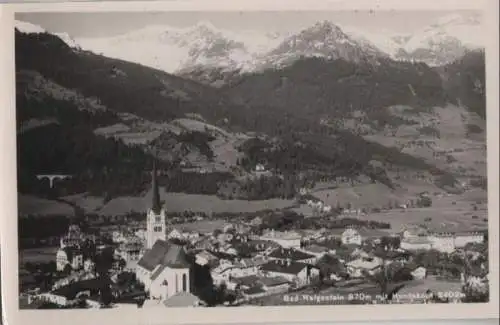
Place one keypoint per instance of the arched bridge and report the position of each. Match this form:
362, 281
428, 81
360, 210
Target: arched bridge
52, 177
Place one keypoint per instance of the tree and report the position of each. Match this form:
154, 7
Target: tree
424, 202
384, 278
122, 263
67, 269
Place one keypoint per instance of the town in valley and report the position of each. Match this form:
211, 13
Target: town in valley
322, 169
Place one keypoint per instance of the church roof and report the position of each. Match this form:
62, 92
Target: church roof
182, 299
163, 254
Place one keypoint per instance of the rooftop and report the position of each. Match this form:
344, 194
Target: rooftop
182, 299
273, 281
316, 248
285, 267
163, 254
293, 254
286, 235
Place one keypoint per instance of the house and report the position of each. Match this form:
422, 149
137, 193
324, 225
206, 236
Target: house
223, 272
317, 250
416, 243
300, 274
73, 238
53, 298
413, 231
287, 239
254, 292
67, 294
237, 268
358, 267
250, 266
331, 266
205, 243
356, 236
259, 245
274, 285
71, 256
175, 234
351, 236
88, 265
245, 282
260, 168
205, 258
295, 255
419, 273
73, 278
129, 251
445, 240
164, 270
257, 221
118, 237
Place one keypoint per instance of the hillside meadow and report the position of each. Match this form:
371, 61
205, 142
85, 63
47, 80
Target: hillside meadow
174, 202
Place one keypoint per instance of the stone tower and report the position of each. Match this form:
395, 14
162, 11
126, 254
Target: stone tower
156, 219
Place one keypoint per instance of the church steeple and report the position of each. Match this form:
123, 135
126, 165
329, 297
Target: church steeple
156, 204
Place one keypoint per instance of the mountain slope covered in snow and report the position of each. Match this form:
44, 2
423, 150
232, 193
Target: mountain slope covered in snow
182, 49
214, 56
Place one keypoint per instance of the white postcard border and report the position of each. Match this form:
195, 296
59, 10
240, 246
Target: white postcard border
304, 314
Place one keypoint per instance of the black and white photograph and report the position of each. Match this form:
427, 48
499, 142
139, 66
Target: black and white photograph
251, 158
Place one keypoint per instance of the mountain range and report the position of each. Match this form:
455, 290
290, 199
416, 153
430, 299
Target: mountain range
212, 55
306, 114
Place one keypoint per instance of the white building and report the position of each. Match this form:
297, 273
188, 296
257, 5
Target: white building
287, 239
205, 258
73, 238
445, 241
164, 270
88, 265
416, 243
175, 234
358, 267
298, 273
71, 256
419, 273
448, 241
351, 237
129, 251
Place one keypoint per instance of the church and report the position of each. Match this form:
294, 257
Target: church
164, 268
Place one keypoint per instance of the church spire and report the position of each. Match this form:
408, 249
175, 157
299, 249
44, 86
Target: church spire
156, 206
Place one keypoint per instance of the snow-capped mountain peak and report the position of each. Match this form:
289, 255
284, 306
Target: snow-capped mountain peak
28, 28
444, 41
324, 39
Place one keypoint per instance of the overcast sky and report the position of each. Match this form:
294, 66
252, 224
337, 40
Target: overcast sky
106, 24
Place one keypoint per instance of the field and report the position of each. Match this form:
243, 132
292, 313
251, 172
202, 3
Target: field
443, 214
178, 202
37, 255
372, 195
205, 226
451, 123
367, 195
31, 205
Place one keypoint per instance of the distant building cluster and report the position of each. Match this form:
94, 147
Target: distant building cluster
165, 264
